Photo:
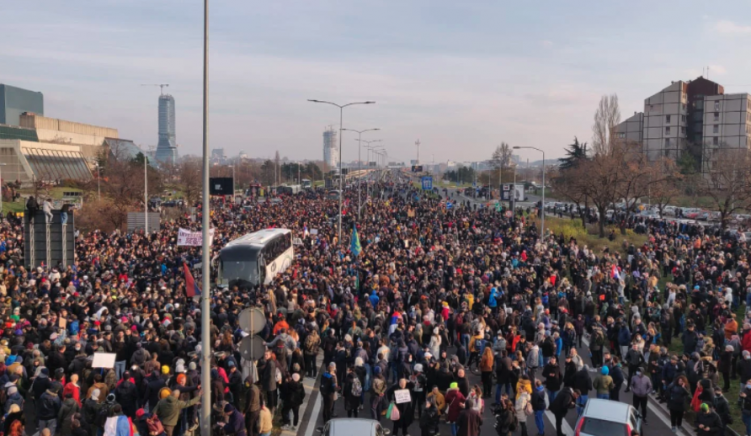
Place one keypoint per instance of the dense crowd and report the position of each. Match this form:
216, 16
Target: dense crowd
434, 294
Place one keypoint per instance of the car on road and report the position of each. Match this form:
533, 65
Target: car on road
353, 426
608, 418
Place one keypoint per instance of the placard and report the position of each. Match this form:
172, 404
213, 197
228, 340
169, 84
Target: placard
187, 238
313, 231
104, 360
402, 396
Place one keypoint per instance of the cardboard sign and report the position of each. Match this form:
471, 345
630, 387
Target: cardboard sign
313, 231
402, 396
104, 360
62, 323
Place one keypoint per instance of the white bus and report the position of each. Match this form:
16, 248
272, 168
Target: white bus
255, 258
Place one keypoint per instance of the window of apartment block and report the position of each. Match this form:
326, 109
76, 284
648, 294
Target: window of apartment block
683, 118
683, 130
715, 128
716, 105
667, 118
715, 141
667, 142
717, 116
621, 135
667, 130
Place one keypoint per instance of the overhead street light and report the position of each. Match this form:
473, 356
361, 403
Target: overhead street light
542, 207
341, 178
359, 165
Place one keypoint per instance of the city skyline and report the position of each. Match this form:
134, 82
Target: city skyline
458, 76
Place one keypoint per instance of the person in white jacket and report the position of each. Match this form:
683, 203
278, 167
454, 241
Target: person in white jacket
47, 208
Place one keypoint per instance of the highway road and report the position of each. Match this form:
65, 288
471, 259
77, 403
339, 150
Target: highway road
658, 419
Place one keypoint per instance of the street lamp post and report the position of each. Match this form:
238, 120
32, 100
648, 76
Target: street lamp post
145, 195
341, 176
206, 350
359, 165
542, 206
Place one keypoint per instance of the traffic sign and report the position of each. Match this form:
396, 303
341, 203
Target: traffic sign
449, 205
427, 183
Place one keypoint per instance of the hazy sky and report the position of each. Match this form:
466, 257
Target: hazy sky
461, 76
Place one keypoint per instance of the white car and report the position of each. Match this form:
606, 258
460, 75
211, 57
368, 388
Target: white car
608, 418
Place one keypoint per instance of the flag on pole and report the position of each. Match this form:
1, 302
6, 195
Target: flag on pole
356, 248
614, 274
191, 287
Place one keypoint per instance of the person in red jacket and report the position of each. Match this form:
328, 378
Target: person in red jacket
73, 388
746, 338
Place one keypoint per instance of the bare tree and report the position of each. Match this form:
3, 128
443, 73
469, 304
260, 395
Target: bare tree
607, 116
727, 182
664, 189
189, 173
501, 159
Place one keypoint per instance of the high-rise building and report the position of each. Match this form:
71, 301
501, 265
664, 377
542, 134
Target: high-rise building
15, 101
330, 149
166, 149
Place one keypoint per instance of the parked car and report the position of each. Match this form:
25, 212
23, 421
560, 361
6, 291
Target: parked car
608, 418
353, 426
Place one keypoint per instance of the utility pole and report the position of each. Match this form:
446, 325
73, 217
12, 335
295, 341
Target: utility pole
417, 144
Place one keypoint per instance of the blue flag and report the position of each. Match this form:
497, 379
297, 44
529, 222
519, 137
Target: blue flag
356, 248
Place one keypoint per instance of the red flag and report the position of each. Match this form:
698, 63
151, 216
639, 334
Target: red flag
191, 287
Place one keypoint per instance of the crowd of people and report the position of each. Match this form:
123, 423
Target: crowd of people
434, 295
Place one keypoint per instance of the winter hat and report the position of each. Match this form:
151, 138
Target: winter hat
296, 377
377, 370
704, 407
192, 366
454, 385
180, 368
165, 369
418, 367
139, 413
605, 370
358, 361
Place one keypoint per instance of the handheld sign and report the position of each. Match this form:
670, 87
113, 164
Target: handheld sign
402, 396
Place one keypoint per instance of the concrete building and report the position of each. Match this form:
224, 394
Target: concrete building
50, 149
166, 149
694, 116
330, 149
726, 125
632, 129
15, 101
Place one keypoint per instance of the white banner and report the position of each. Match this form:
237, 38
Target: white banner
188, 238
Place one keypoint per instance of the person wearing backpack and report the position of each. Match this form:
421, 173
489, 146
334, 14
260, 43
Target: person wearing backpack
352, 392
377, 392
311, 347
523, 408
505, 418
469, 421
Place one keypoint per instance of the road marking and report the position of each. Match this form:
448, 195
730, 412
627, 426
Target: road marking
313, 417
655, 410
551, 417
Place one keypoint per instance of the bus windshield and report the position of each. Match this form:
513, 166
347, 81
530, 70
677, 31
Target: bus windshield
238, 271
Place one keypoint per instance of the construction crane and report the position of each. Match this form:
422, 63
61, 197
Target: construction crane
160, 85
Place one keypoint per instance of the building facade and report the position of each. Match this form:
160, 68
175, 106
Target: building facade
15, 101
330, 149
166, 149
695, 117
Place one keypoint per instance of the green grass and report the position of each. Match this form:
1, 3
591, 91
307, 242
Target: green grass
573, 228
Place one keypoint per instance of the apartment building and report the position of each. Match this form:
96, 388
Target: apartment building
726, 125
694, 112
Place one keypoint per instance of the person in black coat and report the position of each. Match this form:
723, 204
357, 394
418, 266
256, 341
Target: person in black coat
553, 378
127, 395
406, 412
616, 372
569, 371
33, 207
678, 396
563, 402
582, 382
293, 393
351, 401
429, 419
708, 422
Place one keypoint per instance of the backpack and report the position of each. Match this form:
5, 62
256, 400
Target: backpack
356, 387
155, 425
102, 415
310, 343
514, 422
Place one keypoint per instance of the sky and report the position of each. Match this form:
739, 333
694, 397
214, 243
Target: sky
460, 76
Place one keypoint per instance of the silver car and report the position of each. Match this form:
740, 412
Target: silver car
608, 418
353, 426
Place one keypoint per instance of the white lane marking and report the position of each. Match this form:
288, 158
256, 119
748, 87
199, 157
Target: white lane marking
656, 411
551, 417
313, 417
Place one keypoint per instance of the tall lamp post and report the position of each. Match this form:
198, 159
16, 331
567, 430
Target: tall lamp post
341, 176
145, 194
205, 243
359, 165
371, 148
542, 206
1, 188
